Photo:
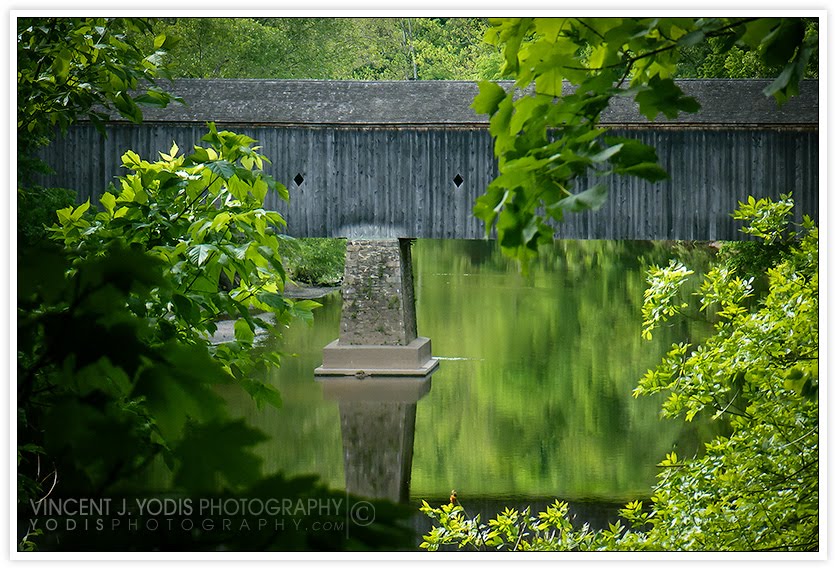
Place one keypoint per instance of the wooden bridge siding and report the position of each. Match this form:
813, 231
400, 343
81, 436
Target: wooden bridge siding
402, 178
711, 170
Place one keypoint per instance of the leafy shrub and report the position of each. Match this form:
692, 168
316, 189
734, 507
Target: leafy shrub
202, 215
317, 260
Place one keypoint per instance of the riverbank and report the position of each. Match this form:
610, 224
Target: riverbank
308, 292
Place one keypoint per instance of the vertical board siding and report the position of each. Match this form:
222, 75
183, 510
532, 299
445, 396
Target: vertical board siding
398, 182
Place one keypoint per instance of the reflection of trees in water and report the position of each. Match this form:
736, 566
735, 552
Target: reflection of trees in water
549, 409
542, 407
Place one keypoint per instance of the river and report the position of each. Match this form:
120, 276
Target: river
532, 400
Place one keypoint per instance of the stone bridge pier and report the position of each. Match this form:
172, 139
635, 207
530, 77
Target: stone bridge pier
378, 331
378, 368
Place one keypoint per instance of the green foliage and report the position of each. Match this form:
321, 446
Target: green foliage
72, 68
512, 530
330, 48
232, 443
203, 216
752, 259
755, 489
69, 68
36, 209
716, 58
768, 219
317, 261
567, 71
452, 48
86, 365
663, 286
252, 47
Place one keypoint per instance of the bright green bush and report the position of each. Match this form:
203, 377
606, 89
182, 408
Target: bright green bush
203, 216
317, 260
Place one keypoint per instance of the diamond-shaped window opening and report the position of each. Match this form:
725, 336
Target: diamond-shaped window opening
458, 180
298, 179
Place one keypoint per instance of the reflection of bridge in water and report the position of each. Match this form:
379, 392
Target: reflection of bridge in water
377, 421
383, 162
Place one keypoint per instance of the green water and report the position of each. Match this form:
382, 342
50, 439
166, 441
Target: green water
533, 395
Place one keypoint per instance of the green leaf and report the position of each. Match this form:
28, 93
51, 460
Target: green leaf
691, 38
664, 96
500, 127
64, 215
153, 98
632, 151
525, 109
780, 45
281, 189
185, 307
243, 332
259, 190
200, 253
108, 200
757, 30
550, 81
238, 187
549, 28
61, 65
223, 168
489, 97
606, 154
649, 171
786, 85
262, 393
79, 211
182, 388
199, 155
273, 299
131, 159
303, 310
220, 221
127, 107
592, 198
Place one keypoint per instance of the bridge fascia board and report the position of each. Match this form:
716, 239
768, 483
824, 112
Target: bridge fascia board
733, 103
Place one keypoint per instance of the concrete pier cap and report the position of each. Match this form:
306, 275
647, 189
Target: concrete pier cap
360, 361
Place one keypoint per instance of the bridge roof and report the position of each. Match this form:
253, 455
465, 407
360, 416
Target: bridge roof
725, 102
